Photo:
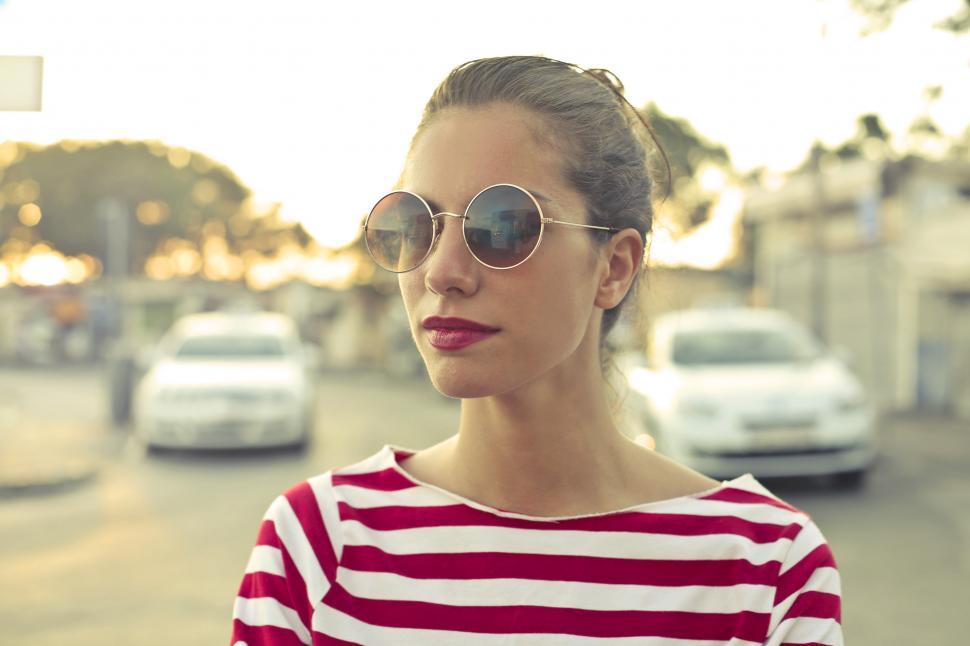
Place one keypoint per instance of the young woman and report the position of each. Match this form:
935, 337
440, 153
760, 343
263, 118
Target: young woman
517, 234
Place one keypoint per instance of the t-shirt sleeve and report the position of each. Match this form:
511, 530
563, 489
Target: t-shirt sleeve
289, 571
808, 598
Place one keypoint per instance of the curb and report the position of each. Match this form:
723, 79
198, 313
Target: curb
45, 477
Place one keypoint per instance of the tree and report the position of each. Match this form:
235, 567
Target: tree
923, 131
686, 202
870, 132
168, 193
881, 13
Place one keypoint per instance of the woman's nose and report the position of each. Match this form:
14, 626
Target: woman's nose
451, 268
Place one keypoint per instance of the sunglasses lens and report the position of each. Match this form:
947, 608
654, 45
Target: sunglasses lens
399, 232
503, 226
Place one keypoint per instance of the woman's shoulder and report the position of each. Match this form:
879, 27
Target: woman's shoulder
668, 481
318, 491
663, 479
739, 511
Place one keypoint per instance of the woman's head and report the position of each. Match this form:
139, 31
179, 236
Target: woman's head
564, 136
582, 115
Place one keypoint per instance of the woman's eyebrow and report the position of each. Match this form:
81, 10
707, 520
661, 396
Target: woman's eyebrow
436, 207
539, 196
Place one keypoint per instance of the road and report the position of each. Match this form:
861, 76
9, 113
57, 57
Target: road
151, 552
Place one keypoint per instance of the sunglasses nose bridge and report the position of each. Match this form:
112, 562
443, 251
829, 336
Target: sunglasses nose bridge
438, 219
449, 265
446, 214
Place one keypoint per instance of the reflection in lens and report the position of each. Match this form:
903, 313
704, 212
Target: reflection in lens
503, 226
399, 232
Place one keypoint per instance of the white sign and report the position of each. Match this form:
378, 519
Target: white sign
21, 81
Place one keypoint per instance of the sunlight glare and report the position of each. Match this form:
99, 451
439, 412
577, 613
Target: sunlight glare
46, 268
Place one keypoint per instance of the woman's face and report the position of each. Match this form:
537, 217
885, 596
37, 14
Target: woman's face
543, 309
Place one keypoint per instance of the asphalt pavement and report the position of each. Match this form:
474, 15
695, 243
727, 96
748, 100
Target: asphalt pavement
86, 514
46, 446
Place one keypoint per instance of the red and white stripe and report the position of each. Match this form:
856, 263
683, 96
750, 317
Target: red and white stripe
367, 555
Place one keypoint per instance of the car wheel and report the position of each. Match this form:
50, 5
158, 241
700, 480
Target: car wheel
850, 479
300, 446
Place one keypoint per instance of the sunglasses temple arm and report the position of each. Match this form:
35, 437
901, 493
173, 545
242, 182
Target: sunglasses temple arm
581, 226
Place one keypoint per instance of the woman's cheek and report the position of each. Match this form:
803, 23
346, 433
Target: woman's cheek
409, 296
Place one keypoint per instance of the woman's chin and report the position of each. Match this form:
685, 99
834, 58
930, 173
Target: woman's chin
461, 389
463, 384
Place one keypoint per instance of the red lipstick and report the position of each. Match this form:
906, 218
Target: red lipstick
450, 333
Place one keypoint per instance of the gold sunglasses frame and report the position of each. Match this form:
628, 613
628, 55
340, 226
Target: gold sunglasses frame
543, 221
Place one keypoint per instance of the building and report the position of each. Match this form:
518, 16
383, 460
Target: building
875, 256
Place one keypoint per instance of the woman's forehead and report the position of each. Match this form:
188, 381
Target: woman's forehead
464, 150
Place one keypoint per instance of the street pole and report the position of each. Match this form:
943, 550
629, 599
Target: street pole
819, 217
819, 250
114, 216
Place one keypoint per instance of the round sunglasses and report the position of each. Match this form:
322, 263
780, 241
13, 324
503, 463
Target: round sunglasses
502, 227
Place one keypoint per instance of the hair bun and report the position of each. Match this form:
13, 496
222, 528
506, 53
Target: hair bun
607, 78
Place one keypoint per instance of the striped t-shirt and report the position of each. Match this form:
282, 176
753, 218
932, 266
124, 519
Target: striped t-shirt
366, 554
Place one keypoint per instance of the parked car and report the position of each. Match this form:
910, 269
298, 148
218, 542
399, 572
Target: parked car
734, 391
221, 380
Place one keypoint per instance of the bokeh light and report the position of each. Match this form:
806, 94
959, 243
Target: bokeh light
29, 214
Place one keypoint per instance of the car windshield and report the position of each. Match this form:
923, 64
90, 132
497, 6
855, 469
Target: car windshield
715, 347
230, 347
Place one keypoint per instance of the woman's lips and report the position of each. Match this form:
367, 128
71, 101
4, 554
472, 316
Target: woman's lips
456, 338
454, 333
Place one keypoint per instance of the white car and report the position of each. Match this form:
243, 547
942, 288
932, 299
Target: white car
734, 391
221, 380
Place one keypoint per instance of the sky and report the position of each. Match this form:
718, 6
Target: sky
312, 104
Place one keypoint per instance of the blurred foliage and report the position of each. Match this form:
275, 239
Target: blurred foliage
686, 203
924, 134
871, 140
870, 134
958, 23
168, 193
880, 14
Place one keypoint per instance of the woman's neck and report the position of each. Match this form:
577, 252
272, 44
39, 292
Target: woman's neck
549, 445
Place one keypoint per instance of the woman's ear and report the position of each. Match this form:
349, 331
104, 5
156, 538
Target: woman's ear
621, 261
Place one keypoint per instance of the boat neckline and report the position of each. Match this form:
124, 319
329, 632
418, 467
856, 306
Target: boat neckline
392, 453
